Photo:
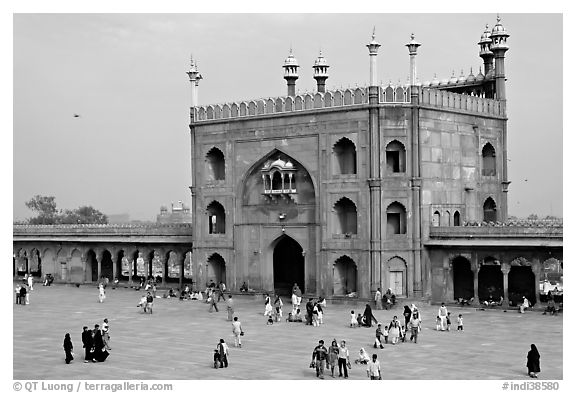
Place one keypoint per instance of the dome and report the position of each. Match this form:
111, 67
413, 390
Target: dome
498, 28
485, 37
444, 82
453, 79
470, 77
426, 84
461, 78
291, 60
320, 61
480, 76
435, 81
490, 74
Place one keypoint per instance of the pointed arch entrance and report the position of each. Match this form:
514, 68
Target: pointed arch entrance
288, 265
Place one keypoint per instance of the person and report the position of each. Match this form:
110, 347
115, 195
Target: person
244, 287
17, 291
378, 299
525, 304
142, 303
363, 357
101, 293
448, 323
267, 306
368, 316
212, 301
106, 334
394, 330
298, 316
343, 359
230, 307
315, 315
30, 283
296, 291
68, 348
100, 353
87, 344
149, 302
407, 314
353, 320
379, 335
221, 290
460, 322
223, 351
391, 296
216, 358
438, 322
385, 334
333, 351
24, 295
309, 310
373, 369
320, 313
270, 320
237, 331
319, 358
278, 307
442, 313
414, 325
550, 306
533, 362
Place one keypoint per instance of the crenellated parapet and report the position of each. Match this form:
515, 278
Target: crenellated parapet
462, 102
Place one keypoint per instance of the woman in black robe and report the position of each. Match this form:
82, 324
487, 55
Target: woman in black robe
68, 347
368, 316
407, 315
100, 353
533, 363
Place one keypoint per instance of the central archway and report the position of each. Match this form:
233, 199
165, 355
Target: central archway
288, 265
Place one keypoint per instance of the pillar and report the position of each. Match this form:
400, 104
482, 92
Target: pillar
114, 266
475, 271
505, 268
164, 262
83, 267
181, 257
99, 257
129, 259
536, 269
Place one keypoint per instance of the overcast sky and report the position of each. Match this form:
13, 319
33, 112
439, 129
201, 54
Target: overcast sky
124, 74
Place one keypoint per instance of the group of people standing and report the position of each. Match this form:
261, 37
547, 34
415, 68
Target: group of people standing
95, 343
23, 290
335, 354
386, 300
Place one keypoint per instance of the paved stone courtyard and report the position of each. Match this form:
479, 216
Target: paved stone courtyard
177, 341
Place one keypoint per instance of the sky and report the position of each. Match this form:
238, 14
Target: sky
124, 75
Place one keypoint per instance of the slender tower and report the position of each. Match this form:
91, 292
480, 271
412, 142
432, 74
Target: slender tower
485, 52
321, 72
499, 48
195, 78
374, 180
415, 179
291, 73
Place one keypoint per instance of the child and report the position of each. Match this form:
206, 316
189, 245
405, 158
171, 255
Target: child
216, 358
298, 316
448, 323
385, 334
353, 320
278, 314
379, 334
438, 323
320, 313
460, 322
363, 357
402, 333
270, 320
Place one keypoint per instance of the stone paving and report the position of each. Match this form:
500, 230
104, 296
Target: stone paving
177, 341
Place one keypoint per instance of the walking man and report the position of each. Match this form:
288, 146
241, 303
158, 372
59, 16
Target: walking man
230, 307
212, 301
319, 356
237, 330
378, 299
343, 359
87, 343
221, 290
373, 369
414, 325
443, 314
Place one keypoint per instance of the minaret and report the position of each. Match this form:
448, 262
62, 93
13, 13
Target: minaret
321, 72
485, 52
499, 48
373, 49
413, 49
291, 73
195, 77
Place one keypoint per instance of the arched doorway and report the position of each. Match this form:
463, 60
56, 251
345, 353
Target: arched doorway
521, 282
106, 265
397, 276
344, 276
490, 280
463, 278
216, 269
76, 270
91, 267
35, 263
288, 265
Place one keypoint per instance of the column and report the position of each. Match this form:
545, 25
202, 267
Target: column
164, 262
15, 262
114, 265
505, 270
99, 257
130, 267
83, 267
181, 258
475, 271
536, 269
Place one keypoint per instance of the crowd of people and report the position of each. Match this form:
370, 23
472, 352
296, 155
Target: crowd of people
96, 343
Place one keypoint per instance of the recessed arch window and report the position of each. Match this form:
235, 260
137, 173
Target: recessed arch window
344, 157
488, 160
436, 219
215, 165
456, 218
396, 219
346, 217
216, 218
489, 210
395, 157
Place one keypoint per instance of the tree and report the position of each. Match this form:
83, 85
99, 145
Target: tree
532, 217
45, 206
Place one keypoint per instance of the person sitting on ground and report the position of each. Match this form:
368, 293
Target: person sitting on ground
550, 307
244, 287
298, 316
391, 296
142, 303
270, 320
525, 304
363, 357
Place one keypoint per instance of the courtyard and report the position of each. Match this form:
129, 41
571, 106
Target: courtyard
177, 341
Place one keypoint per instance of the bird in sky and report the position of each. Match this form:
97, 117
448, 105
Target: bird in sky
76, 115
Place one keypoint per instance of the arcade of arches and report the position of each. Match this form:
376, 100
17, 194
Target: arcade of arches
484, 277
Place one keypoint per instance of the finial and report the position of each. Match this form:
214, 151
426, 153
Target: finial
412, 36
374, 33
497, 18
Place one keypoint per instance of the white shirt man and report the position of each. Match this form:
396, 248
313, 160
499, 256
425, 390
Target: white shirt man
443, 313
373, 369
378, 299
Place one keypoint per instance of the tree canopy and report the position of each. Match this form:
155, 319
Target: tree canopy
48, 214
